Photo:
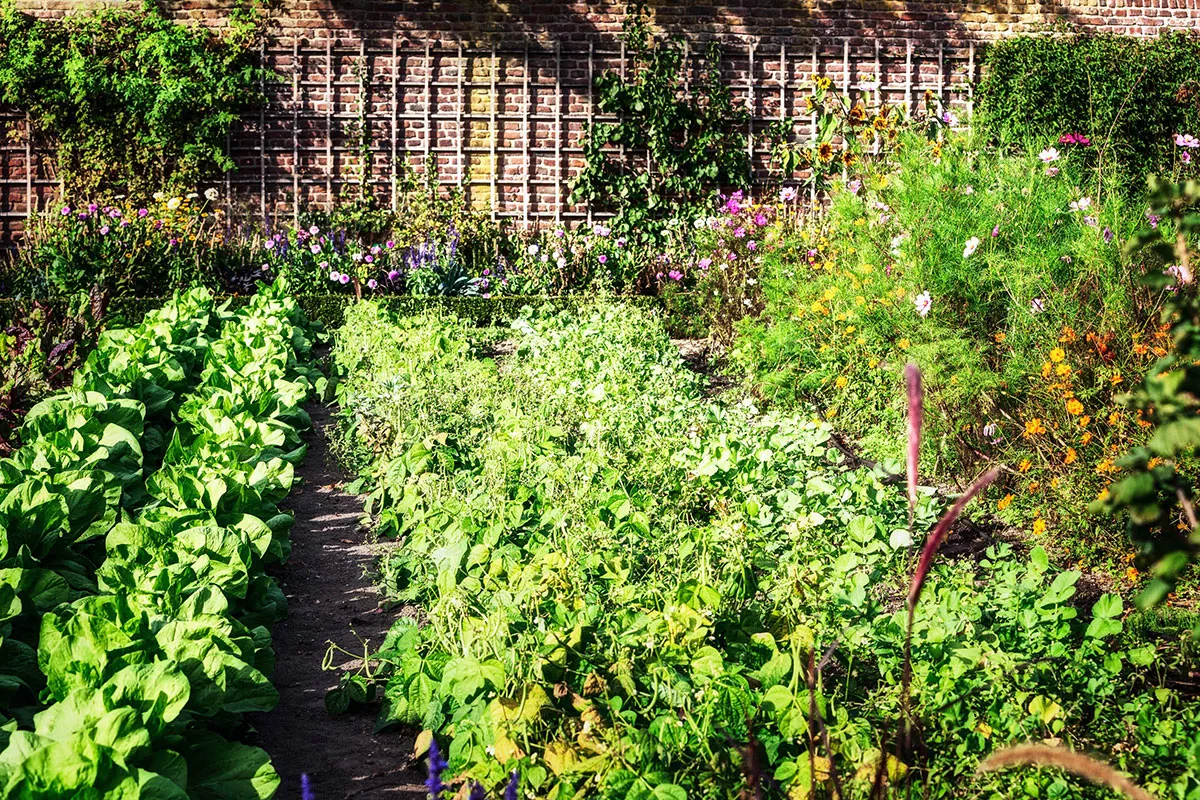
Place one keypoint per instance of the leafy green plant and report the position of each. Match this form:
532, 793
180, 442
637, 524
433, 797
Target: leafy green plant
1158, 491
129, 101
692, 143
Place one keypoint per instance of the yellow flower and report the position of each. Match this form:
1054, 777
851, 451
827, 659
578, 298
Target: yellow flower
1000, 337
825, 151
1039, 526
1132, 574
904, 344
1074, 407
1071, 456
830, 293
1046, 367
1154, 462
1103, 495
1025, 465
1005, 502
1034, 427
1115, 379
831, 413
1062, 370
1057, 355
842, 381
873, 363
1114, 418
1087, 437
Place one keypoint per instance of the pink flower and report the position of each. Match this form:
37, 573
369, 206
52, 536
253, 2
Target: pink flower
372, 284
393, 275
1051, 171
788, 194
344, 279
66, 211
740, 233
760, 219
1185, 157
675, 275
705, 263
995, 231
603, 259
1048, 155
854, 186
923, 303
104, 229
1186, 140
751, 245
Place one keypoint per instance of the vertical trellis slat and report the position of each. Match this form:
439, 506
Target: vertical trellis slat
878, 99
30, 200
591, 102
495, 165
970, 81
845, 82
941, 75
783, 77
558, 129
908, 70
262, 141
750, 49
461, 131
296, 101
812, 119
366, 176
427, 106
526, 108
395, 102
329, 123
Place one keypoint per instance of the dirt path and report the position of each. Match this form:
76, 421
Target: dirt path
330, 598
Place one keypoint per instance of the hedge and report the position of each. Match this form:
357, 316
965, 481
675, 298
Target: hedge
1129, 94
330, 309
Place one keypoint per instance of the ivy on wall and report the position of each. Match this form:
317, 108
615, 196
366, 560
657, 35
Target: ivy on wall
131, 102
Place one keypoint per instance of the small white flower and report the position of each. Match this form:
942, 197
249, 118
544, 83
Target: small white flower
972, 246
1048, 155
900, 538
1037, 306
533, 250
211, 195
1082, 204
923, 303
174, 203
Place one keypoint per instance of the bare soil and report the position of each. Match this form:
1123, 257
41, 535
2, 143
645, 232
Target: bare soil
331, 598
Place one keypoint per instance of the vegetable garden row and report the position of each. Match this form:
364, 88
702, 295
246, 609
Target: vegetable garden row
139, 519
635, 592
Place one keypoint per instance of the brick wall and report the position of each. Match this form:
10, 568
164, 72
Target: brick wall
498, 93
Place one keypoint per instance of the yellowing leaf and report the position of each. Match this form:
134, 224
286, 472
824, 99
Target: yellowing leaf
560, 757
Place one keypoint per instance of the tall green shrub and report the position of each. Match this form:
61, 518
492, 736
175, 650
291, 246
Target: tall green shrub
1130, 95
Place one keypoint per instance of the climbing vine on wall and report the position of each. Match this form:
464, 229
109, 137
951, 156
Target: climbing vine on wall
129, 101
694, 136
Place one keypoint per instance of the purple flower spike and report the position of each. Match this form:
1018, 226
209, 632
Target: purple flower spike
437, 765
305, 787
477, 792
514, 784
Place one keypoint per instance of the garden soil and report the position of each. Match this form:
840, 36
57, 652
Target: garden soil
331, 598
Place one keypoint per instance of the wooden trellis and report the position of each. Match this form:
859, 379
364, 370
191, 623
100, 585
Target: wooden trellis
505, 123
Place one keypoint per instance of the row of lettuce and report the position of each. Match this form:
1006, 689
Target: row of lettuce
633, 592
138, 520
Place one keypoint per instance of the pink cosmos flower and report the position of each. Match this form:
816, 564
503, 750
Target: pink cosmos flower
1048, 155
788, 194
923, 303
1186, 140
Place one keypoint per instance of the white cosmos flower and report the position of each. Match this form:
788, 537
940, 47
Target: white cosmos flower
1048, 155
972, 246
923, 303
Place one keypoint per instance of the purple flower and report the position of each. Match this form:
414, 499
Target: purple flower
369, 259
675, 275
949, 118
621, 242
477, 792
393, 275
142, 212
1152, 219
740, 233
104, 229
305, 787
437, 765
389, 244
751, 245
372, 284
760, 219
995, 231
603, 259
514, 784
92, 208
1185, 157
343, 279
1037, 306
487, 271
66, 211
1108, 235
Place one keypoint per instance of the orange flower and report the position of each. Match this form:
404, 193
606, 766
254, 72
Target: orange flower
1005, 502
1046, 369
1025, 465
1071, 456
1000, 337
1115, 379
1132, 574
1154, 462
1068, 334
1114, 418
1039, 526
1074, 407
1086, 438
1062, 370
1034, 427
